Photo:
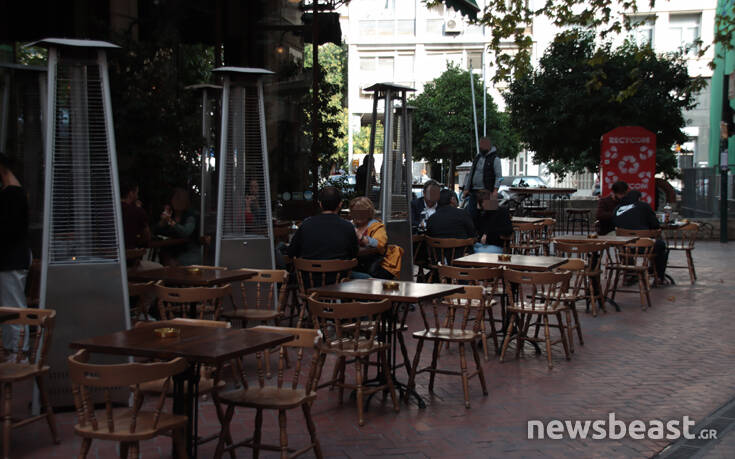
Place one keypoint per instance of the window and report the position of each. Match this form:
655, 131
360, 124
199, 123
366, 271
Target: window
386, 28
474, 61
367, 28
642, 28
368, 64
385, 68
435, 26
404, 27
684, 31
404, 67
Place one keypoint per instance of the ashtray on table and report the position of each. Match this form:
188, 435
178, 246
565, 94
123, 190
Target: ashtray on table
167, 332
193, 271
591, 236
504, 257
391, 285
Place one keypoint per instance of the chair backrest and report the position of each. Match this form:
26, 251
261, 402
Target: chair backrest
186, 321
653, 233
317, 273
179, 301
460, 308
304, 339
140, 294
348, 326
37, 329
443, 251
526, 237
537, 291
489, 278
590, 252
636, 253
262, 290
682, 238
87, 378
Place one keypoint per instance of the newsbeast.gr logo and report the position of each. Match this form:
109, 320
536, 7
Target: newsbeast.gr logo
615, 429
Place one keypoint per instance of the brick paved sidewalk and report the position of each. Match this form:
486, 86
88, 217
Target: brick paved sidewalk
674, 360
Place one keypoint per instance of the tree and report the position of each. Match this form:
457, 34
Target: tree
581, 91
443, 121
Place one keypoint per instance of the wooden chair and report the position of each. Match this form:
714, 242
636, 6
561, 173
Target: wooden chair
682, 240
489, 278
546, 233
37, 327
350, 330
263, 298
420, 254
201, 302
316, 273
33, 284
127, 426
586, 281
526, 238
141, 296
536, 295
633, 259
576, 291
443, 251
457, 329
281, 397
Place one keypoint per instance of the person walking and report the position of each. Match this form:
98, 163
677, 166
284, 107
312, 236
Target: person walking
486, 174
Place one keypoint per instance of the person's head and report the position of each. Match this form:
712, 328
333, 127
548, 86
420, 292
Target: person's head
485, 144
361, 210
631, 197
431, 192
6, 164
253, 187
619, 189
330, 199
129, 190
445, 197
453, 201
180, 200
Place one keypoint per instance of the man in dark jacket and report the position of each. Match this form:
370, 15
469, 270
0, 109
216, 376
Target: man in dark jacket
449, 221
15, 252
424, 207
486, 174
606, 207
634, 214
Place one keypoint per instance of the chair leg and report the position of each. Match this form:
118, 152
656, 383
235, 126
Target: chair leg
465, 378
284, 433
563, 334
548, 341
124, 446
180, 443
7, 421
577, 326
358, 389
224, 433
478, 365
647, 289
569, 331
50, 418
493, 333
312, 430
135, 450
86, 444
523, 327
434, 358
257, 433
404, 352
389, 380
220, 417
414, 367
506, 341
690, 265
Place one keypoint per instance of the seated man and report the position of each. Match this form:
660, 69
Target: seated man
326, 236
606, 207
634, 214
424, 207
491, 223
449, 221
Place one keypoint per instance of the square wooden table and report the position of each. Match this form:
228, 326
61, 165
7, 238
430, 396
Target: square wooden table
518, 262
406, 293
606, 240
182, 275
197, 344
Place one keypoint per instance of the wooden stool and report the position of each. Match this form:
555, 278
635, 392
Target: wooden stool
581, 216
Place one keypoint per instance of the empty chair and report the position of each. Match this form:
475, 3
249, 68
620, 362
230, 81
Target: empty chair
682, 240
316, 273
632, 260
263, 298
526, 238
141, 296
350, 330
128, 426
443, 251
459, 308
536, 296
281, 397
588, 278
27, 362
192, 302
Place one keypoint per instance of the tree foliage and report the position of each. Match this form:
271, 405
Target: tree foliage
443, 122
580, 91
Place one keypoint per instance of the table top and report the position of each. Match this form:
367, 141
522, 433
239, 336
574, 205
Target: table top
372, 289
530, 190
7, 315
607, 240
181, 275
526, 219
519, 262
199, 344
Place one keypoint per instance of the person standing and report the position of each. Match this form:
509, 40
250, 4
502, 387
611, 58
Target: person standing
15, 251
486, 174
607, 205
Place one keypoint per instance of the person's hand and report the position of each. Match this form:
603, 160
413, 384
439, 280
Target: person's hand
483, 239
166, 215
465, 193
139, 203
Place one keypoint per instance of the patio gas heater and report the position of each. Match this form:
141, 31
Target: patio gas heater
83, 271
244, 230
393, 200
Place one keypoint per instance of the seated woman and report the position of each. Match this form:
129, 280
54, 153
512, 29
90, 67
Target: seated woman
375, 258
178, 221
491, 222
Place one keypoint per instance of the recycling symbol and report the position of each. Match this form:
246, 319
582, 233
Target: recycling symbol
628, 165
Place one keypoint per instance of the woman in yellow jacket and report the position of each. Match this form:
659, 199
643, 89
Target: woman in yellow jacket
376, 258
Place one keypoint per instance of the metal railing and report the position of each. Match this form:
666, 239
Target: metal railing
701, 193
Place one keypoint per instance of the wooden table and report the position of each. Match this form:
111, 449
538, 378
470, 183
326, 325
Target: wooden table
198, 345
526, 220
606, 240
7, 315
181, 275
518, 262
407, 293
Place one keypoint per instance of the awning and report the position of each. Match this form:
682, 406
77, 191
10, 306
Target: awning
466, 7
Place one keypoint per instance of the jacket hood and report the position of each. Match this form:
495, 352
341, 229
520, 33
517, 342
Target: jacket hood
631, 198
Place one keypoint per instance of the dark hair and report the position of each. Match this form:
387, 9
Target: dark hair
445, 197
126, 186
619, 187
430, 183
330, 198
6, 161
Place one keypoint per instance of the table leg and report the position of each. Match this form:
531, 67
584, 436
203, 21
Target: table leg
185, 403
